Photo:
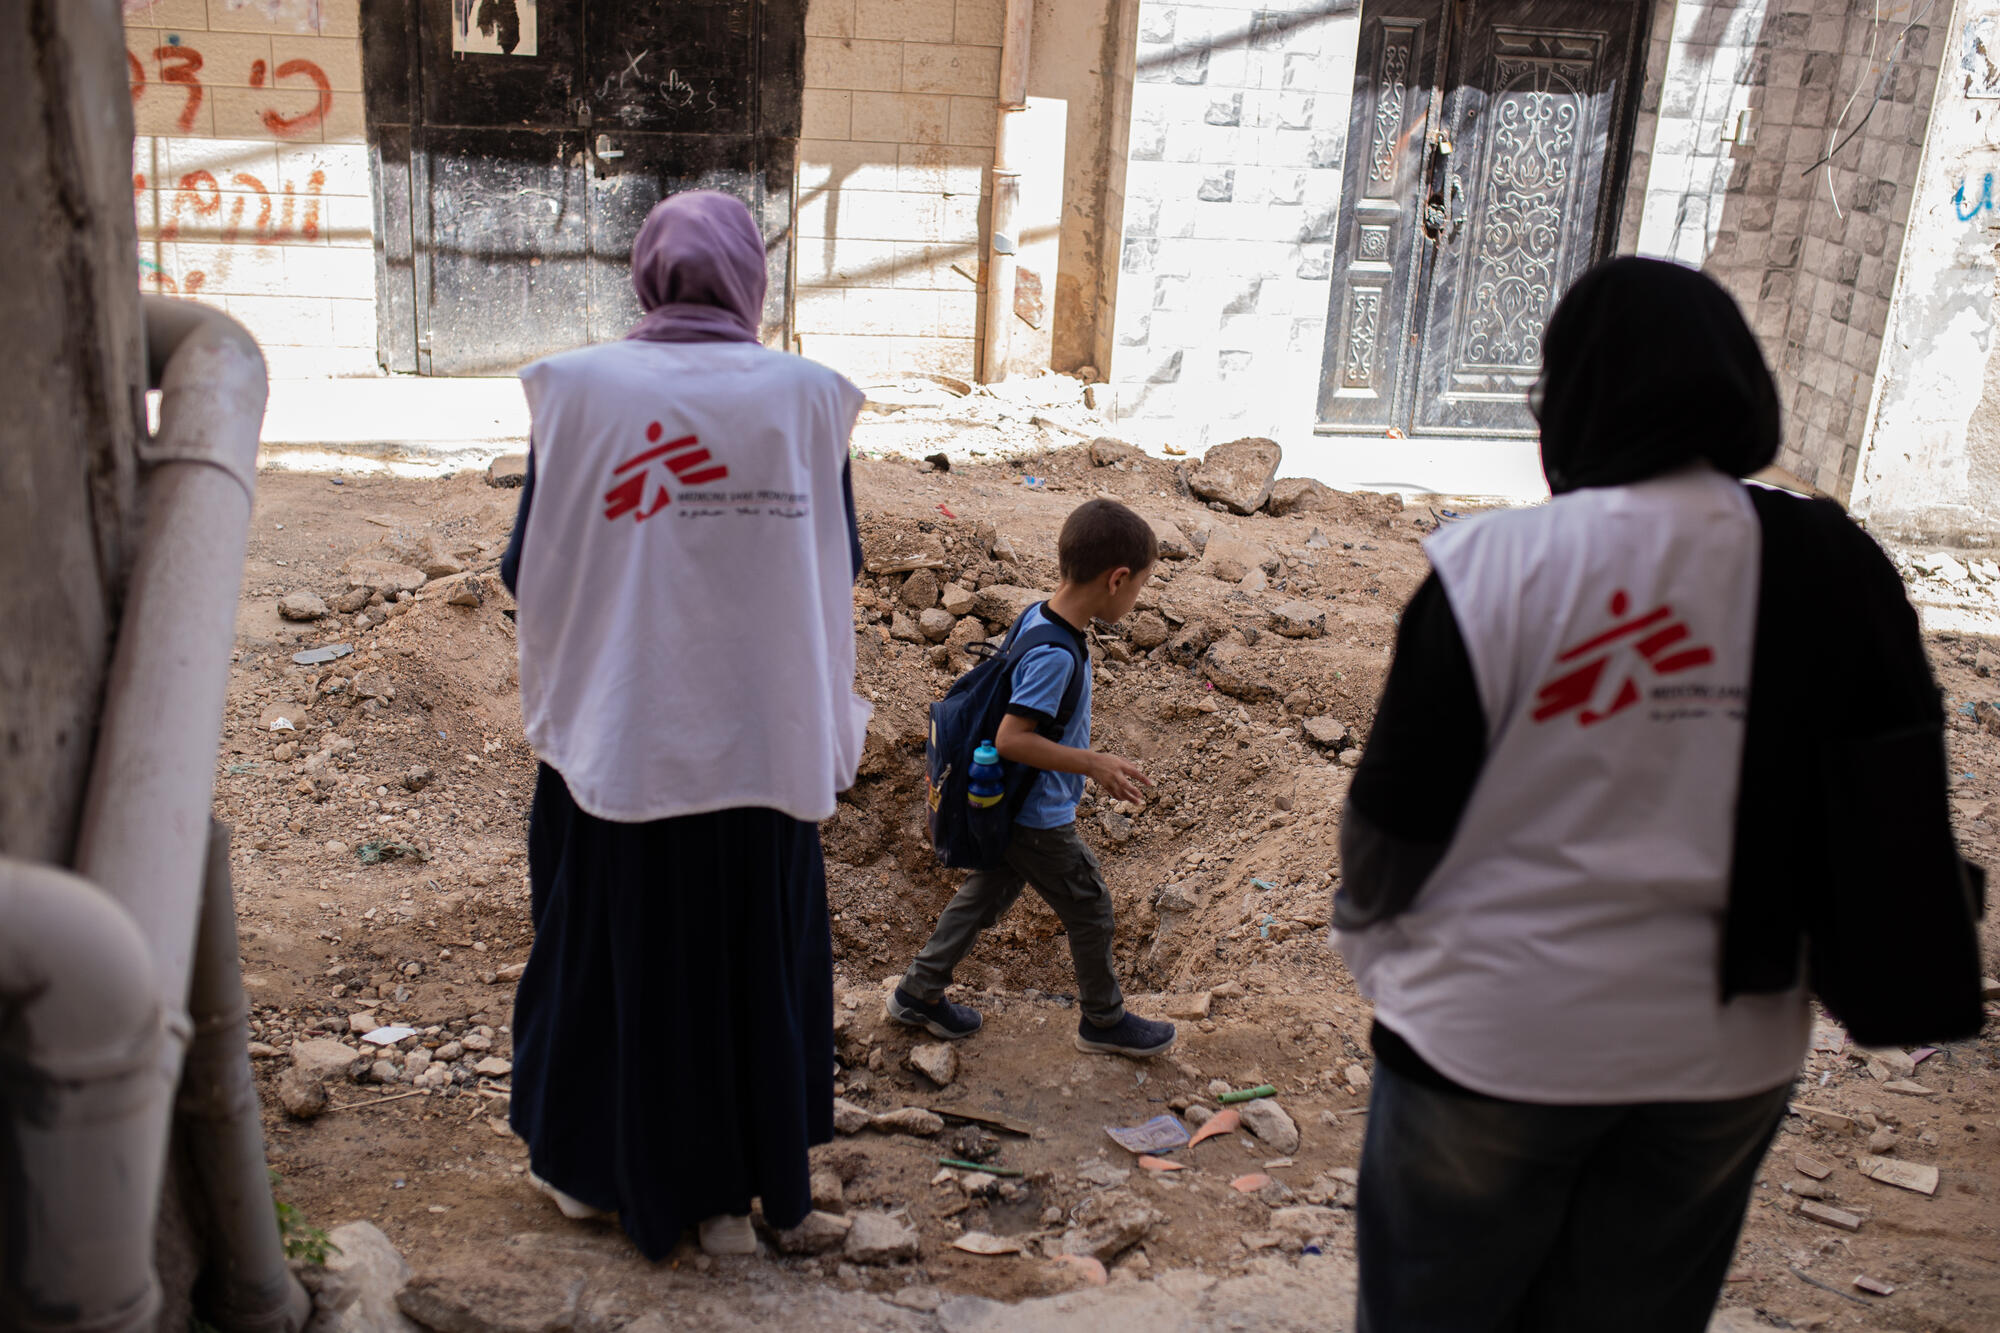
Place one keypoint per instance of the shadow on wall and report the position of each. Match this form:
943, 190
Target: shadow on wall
1785, 163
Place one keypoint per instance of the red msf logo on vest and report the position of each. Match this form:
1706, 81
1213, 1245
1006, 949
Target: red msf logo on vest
684, 459
1659, 639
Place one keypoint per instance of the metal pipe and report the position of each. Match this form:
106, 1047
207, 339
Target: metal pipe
85, 1080
144, 832
1004, 202
247, 1287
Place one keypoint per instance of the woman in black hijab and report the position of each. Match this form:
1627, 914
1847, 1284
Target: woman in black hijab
1589, 955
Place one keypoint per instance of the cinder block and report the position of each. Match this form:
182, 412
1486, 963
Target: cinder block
943, 170
337, 59
826, 113
287, 16
340, 18
353, 323
856, 64
967, 71
904, 20
830, 18
345, 221
972, 122
343, 168
978, 22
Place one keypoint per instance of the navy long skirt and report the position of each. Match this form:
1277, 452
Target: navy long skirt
673, 1031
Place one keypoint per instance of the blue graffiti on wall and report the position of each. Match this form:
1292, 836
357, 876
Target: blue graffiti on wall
1983, 204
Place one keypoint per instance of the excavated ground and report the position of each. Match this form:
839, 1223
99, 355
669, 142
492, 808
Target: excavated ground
369, 894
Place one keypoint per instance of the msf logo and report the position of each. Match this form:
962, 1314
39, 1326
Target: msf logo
1661, 640
684, 459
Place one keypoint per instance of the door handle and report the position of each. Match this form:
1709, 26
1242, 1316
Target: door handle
1455, 193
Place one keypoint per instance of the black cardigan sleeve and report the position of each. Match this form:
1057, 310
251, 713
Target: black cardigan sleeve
1422, 760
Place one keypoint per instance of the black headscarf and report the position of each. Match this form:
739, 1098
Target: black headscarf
1646, 366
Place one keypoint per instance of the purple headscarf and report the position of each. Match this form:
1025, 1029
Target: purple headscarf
698, 267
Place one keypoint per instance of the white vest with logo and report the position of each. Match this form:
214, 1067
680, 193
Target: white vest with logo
686, 593
1567, 950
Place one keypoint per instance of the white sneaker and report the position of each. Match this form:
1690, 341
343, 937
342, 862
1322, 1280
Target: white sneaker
725, 1234
575, 1209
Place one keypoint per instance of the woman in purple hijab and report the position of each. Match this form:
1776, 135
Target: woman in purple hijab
683, 564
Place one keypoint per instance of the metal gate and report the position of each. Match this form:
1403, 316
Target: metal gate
517, 146
1484, 153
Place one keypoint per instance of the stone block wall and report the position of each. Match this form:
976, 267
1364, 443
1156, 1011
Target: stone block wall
1750, 98
250, 175
1232, 186
1930, 470
898, 136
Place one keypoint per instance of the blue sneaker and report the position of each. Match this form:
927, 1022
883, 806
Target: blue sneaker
1140, 1038
944, 1020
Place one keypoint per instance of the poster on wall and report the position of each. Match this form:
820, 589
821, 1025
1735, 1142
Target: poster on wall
493, 27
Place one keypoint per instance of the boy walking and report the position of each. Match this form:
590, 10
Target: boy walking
1106, 555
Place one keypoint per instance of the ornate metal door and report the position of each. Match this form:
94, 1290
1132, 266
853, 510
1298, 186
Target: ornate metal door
1483, 153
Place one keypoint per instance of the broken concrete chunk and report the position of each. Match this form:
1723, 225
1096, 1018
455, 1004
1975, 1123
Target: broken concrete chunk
1193, 1008
384, 576
909, 1120
507, 471
1104, 451
849, 1118
877, 1238
1299, 495
1003, 603
1326, 732
819, 1233
1299, 620
1811, 1166
1305, 1221
1270, 1123
936, 1061
936, 624
302, 605
1831, 1216
1238, 474
1120, 1222
1903, 1175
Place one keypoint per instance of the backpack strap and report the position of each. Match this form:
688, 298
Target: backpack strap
1019, 643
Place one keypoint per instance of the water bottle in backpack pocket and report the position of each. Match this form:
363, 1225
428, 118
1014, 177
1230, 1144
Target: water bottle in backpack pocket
973, 794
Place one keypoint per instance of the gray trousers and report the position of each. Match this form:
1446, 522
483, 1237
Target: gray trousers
1061, 869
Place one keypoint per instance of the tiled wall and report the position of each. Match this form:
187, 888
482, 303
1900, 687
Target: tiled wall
898, 134
1749, 96
1232, 187
250, 176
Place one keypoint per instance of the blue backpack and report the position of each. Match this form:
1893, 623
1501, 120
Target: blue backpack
967, 836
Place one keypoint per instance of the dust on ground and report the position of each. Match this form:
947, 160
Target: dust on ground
380, 875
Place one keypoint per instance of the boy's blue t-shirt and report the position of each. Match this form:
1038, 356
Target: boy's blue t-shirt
1039, 682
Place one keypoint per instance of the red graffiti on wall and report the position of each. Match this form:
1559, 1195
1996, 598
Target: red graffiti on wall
181, 65
186, 63
200, 195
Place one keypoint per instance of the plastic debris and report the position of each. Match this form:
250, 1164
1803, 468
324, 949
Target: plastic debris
1163, 1133
1033, 483
1247, 1094
1088, 1268
987, 1167
388, 1035
946, 511
386, 849
1225, 1121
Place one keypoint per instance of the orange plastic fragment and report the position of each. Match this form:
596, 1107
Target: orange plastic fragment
1226, 1121
1087, 1268
1152, 1163
1250, 1184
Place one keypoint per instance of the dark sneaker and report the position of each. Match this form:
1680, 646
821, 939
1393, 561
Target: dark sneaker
1140, 1038
944, 1020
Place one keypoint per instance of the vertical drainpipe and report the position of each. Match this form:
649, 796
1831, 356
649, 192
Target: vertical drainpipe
1006, 195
